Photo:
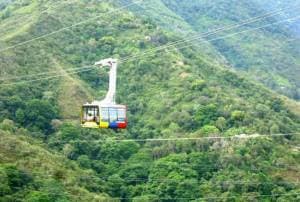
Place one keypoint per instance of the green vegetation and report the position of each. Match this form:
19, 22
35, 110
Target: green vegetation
268, 55
31, 172
46, 156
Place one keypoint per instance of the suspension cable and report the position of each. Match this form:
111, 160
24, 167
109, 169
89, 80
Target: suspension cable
47, 78
221, 29
134, 57
69, 27
214, 39
231, 138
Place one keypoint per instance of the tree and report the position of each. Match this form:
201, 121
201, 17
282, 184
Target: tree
123, 150
39, 114
115, 185
262, 110
221, 123
84, 161
17, 178
4, 185
208, 129
68, 132
20, 116
7, 125
274, 129
277, 105
198, 84
237, 115
206, 114
6, 14
37, 196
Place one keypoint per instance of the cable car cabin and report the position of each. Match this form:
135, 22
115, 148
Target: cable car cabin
104, 116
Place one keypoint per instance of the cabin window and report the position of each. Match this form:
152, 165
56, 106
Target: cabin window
90, 113
113, 114
121, 114
104, 114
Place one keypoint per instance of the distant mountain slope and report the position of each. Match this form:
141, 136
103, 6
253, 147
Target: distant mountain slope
292, 11
166, 19
270, 56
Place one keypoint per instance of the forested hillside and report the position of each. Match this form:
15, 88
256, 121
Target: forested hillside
171, 93
268, 55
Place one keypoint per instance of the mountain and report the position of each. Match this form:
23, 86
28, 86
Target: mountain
269, 55
254, 56
173, 93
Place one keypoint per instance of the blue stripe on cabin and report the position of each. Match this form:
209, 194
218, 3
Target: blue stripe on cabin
113, 125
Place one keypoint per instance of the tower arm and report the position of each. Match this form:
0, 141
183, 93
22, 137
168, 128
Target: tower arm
112, 64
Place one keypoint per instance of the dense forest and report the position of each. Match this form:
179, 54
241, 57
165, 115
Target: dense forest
269, 55
184, 91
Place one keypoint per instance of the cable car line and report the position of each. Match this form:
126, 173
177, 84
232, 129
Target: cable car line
216, 165
219, 183
221, 29
162, 179
297, 183
236, 137
149, 180
212, 197
121, 8
30, 17
190, 199
154, 49
69, 27
199, 181
148, 54
43, 73
214, 39
47, 78
177, 42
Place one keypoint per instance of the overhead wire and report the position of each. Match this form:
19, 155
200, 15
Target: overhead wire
50, 6
69, 27
213, 197
216, 183
236, 137
42, 73
165, 179
226, 28
136, 3
216, 166
106, 198
47, 78
214, 39
242, 32
173, 45
221, 29
45, 73
212, 182
150, 180
28, 18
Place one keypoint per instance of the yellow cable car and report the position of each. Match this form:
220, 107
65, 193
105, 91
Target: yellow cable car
95, 115
105, 113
